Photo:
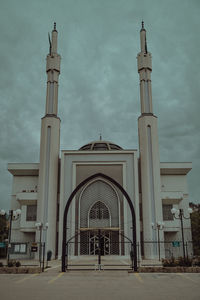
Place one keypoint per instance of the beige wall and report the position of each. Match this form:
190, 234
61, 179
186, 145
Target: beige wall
113, 171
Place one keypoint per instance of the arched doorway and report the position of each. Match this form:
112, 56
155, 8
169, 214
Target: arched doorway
99, 208
99, 216
99, 212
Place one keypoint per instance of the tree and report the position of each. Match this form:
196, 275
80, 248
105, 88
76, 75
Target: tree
3, 234
195, 226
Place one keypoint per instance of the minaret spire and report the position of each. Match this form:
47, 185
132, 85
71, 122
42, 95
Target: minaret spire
53, 71
143, 41
144, 69
54, 39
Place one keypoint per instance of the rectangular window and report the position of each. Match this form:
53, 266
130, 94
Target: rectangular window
167, 215
31, 213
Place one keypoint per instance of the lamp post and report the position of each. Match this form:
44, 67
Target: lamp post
13, 216
159, 226
179, 214
40, 226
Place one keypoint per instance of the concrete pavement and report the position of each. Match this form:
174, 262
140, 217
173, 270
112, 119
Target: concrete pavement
96, 285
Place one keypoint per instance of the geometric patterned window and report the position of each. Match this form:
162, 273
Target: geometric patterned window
167, 215
99, 215
99, 211
31, 213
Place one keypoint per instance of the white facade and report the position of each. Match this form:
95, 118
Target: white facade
41, 190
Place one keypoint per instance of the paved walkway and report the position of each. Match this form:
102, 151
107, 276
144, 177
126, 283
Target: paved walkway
95, 285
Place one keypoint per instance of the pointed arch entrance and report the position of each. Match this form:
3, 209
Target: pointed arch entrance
65, 241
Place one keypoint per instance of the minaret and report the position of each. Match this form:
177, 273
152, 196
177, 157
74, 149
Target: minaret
49, 150
149, 152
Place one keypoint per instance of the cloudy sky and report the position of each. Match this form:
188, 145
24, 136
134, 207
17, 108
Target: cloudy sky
99, 85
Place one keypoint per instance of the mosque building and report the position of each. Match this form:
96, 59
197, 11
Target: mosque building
100, 189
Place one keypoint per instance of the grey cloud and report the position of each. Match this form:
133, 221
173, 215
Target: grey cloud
99, 85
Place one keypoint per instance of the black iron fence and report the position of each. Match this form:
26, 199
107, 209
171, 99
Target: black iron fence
99, 249
166, 249
107, 252
28, 253
115, 253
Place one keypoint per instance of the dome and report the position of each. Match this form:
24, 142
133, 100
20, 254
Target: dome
100, 146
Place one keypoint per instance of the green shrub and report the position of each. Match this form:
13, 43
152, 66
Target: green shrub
18, 264
10, 264
196, 261
180, 261
1, 264
187, 262
169, 262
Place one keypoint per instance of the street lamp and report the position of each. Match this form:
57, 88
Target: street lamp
159, 226
179, 214
40, 226
13, 216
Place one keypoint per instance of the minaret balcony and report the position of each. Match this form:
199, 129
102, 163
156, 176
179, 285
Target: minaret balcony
53, 63
144, 61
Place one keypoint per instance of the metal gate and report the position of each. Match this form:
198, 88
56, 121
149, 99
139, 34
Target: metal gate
99, 242
99, 249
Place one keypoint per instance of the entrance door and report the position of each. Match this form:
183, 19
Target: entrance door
105, 240
99, 242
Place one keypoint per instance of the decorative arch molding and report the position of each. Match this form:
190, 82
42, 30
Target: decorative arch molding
108, 220
113, 193
102, 179
70, 199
